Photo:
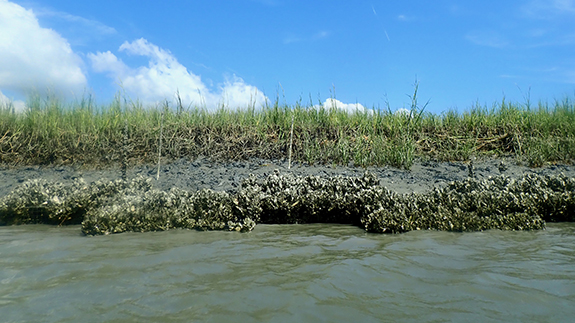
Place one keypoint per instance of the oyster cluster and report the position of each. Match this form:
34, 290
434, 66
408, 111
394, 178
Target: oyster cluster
474, 205
119, 206
469, 205
288, 199
39, 201
155, 210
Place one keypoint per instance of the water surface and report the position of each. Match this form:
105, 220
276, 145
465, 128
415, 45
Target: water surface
286, 273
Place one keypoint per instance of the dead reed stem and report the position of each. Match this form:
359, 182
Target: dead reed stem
290, 143
125, 152
160, 144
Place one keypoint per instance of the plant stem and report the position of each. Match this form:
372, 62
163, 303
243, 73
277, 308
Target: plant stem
160, 144
290, 142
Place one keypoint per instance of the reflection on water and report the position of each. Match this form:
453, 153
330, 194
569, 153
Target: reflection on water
279, 273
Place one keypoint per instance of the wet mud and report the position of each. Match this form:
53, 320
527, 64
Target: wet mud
489, 194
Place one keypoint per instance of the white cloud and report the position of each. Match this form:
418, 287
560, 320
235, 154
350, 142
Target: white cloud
404, 113
332, 103
164, 75
5, 102
107, 62
237, 92
33, 58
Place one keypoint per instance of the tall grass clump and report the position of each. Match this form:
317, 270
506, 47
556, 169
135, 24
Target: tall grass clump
50, 132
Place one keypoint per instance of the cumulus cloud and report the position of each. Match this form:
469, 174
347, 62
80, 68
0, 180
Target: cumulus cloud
350, 108
164, 76
33, 58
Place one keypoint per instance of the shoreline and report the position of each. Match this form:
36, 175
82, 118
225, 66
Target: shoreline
202, 173
238, 195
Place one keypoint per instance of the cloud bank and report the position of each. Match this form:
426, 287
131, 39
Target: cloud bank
164, 76
35, 59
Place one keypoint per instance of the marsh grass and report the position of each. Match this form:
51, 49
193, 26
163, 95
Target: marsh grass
50, 132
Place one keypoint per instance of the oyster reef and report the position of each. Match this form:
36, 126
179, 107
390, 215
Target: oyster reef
105, 207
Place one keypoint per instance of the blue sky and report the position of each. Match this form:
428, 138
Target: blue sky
245, 51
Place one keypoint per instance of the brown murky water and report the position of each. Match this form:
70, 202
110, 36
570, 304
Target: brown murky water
289, 273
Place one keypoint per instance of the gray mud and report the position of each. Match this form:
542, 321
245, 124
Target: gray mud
201, 173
